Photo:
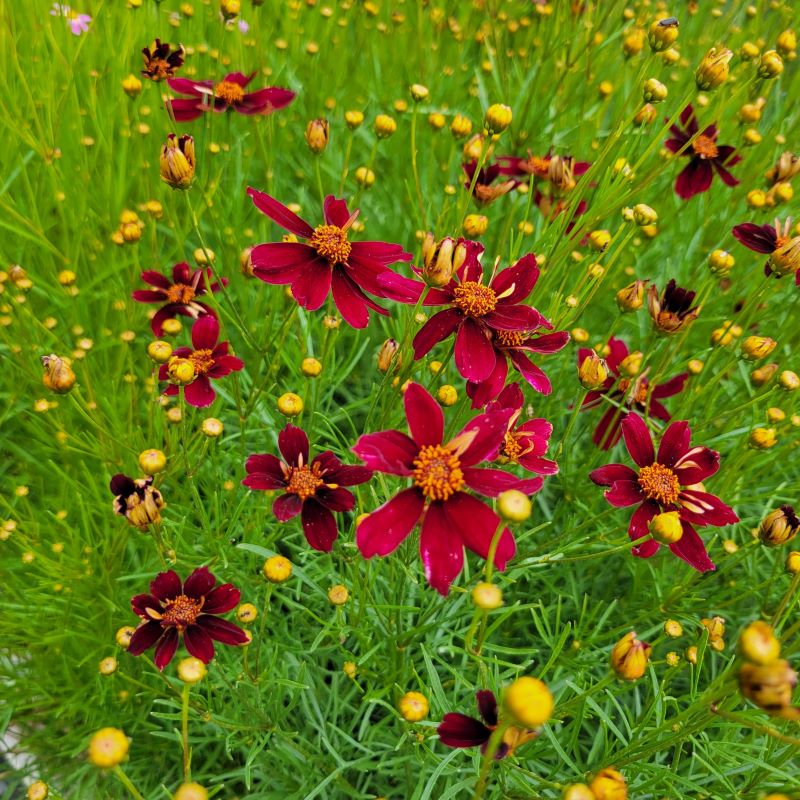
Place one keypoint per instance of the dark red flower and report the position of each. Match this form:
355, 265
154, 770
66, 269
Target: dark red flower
161, 61
626, 394
210, 359
670, 481
451, 518
190, 611
490, 321
228, 93
459, 730
775, 240
328, 261
178, 294
524, 444
485, 190
314, 487
704, 154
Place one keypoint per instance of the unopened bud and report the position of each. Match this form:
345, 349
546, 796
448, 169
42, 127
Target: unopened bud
593, 372
629, 657
58, 375
779, 526
713, 70
317, 135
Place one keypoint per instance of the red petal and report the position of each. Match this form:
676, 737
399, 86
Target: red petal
386, 527
695, 178
293, 444
166, 648
638, 440
287, 506
166, 585
441, 548
222, 599
387, 451
221, 630
489, 430
674, 443
702, 508
522, 277
475, 355
459, 730
198, 643
691, 549
624, 493
335, 211
199, 393
436, 330
199, 583
696, 465
312, 285
205, 333
424, 415
761, 238
319, 525
279, 213
476, 524
611, 473
489, 482
144, 637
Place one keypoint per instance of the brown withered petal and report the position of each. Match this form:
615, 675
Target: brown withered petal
673, 310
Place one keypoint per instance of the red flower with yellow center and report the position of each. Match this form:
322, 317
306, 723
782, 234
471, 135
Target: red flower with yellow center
775, 240
178, 295
441, 472
174, 610
210, 359
328, 262
669, 481
229, 93
314, 489
705, 156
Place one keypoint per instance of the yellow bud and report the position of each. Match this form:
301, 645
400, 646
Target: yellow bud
475, 225
108, 666
338, 594
763, 438
631, 364
629, 657
645, 115
759, 644
605, 88
349, 669
757, 347
769, 686
529, 702
748, 51
108, 748
633, 42
779, 526
364, 177
177, 164
132, 86
172, 327
513, 505
789, 380
447, 395
673, 628
311, 367
353, 119
770, 65
58, 375
277, 569
290, 404
579, 335
385, 126
763, 375
159, 351
713, 70
419, 92
644, 215
413, 706
317, 135
663, 34
793, 562
786, 43
599, 240
631, 298
672, 659
180, 370
720, 262
388, 356
498, 118
609, 784
653, 91
152, 461
691, 655
123, 636
577, 791
487, 596
593, 372
666, 528
461, 126
191, 791
437, 121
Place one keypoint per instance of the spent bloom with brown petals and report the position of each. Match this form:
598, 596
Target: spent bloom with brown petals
672, 311
161, 61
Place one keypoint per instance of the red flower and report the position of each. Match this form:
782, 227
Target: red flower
228, 93
328, 261
210, 360
670, 481
524, 444
459, 730
486, 190
626, 394
705, 156
311, 487
173, 610
771, 239
451, 518
178, 295
490, 321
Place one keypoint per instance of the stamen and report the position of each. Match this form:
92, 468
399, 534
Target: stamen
331, 243
182, 611
475, 299
438, 472
660, 483
705, 147
203, 361
180, 293
304, 481
230, 92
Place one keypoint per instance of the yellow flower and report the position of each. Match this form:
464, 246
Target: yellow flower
529, 702
277, 569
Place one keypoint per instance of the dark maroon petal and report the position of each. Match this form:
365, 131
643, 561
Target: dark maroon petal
638, 440
122, 485
312, 285
725, 176
166, 585
345, 475
351, 301
319, 525
480, 439
537, 464
547, 343
674, 443
436, 330
265, 101
186, 86
166, 648
624, 493
459, 730
694, 178
676, 143
287, 506
647, 549
481, 393
476, 524
279, 213
141, 602
702, 508
671, 387
532, 374
510, 398
761, 238
156, 279
383, 253
640, 518
384, 529
199, 393
198, 643
398, 288
440, 545
487, 706
689, 120
279, 262
475, 355
148, 296
611, 473
222, 599
513, 318
514, 284
264, 464
293, 444
205, 333
144, 637
199, 583
696, 465
691, 549
262, 481
338, 499
335, 211
424, 415
489, 482
221, 630
387, 451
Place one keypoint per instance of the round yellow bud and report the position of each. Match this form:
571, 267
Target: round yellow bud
672, 659
191, 670
513, 505
311, 367
763, 438
437, 121
498, 118
385, 126
108, 666
108, 748
529, 702
756, 198
277, 569
600, 239
759, 644
419, 92
353, 119
789, 380
151, 462
159, 351
793, 562
212, 427
579, 335
123, 636
757, 347
350, 669
609, 784
191, 791
364, 177
180, 370
720, 262
487, 596
770, 65
673, 628
338, 594
413, 706
290, 404
577, 791
605, 88
447, 395
203, 256
172, 327
644, 215
461, 126
666, 528
475, 225
38, 790
653, 91
246, 612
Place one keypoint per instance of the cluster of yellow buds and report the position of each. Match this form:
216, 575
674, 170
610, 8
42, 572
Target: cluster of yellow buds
779, 526
130, 228
607, 784
765, 678
630, 657
726, 334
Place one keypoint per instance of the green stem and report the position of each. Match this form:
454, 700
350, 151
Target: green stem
187, 756
126, 782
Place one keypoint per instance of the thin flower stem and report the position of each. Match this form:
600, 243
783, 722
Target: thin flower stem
790, 595
415, 170
318, 172
126, 782
488, 757
187, 755
740, 719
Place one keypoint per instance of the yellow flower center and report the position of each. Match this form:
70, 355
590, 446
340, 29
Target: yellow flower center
230, 92
475, 299
704, 147
510, 338
202, 360
659, 483
437, 471
182, 611
511, 448
180, 293
330, 241
304, 481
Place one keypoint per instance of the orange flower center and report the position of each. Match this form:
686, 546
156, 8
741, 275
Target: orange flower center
781, 241
180, 293
230, 92
202, 360
705, 147
640, 391
330, 241
475, 299
158, 69
304, 481
182, 611
437, 471
659, 483
511, 447
510, 338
